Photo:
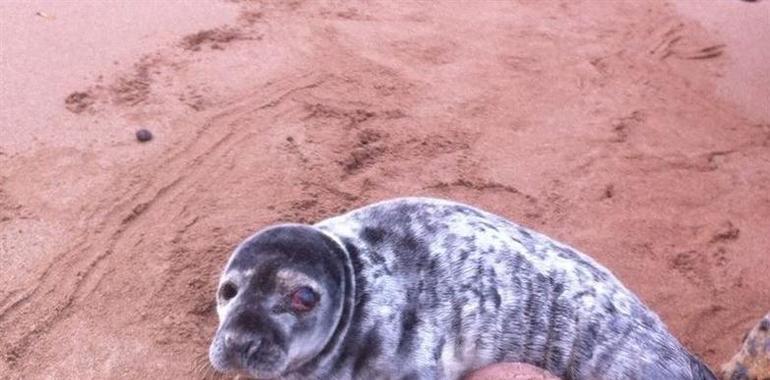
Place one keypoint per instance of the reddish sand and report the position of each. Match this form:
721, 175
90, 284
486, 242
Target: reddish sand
626, 129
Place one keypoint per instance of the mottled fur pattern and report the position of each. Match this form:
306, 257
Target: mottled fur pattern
752, 362
442, 288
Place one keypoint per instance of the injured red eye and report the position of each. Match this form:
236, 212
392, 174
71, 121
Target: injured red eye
303, 299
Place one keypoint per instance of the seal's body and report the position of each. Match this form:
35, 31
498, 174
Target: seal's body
419, 288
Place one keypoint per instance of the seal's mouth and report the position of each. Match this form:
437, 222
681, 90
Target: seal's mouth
264, 364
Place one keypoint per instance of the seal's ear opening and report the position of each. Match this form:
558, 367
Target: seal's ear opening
227, 291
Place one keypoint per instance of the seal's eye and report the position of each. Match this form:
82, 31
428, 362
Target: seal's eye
228, 291
303, 299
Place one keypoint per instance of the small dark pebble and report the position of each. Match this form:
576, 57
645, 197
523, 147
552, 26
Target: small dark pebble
143, 135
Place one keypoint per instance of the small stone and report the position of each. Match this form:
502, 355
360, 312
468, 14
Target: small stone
143, 135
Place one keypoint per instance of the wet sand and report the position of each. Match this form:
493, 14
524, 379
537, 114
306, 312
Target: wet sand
745, 32
636, 131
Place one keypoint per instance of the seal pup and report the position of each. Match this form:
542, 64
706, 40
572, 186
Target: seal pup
422, 288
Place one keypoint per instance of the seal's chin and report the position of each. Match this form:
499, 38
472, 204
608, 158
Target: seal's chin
259, 368
253, 369
260, 375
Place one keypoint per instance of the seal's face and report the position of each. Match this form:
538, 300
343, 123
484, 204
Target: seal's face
279, 301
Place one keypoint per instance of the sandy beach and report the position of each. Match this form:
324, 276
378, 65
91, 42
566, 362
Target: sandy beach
638, 132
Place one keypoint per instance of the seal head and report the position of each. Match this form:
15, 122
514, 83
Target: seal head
280, 301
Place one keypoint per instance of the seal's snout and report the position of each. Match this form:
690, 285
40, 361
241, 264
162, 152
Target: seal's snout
250, 353
246, 347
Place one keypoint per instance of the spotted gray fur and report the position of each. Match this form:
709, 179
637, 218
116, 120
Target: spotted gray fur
437, 289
